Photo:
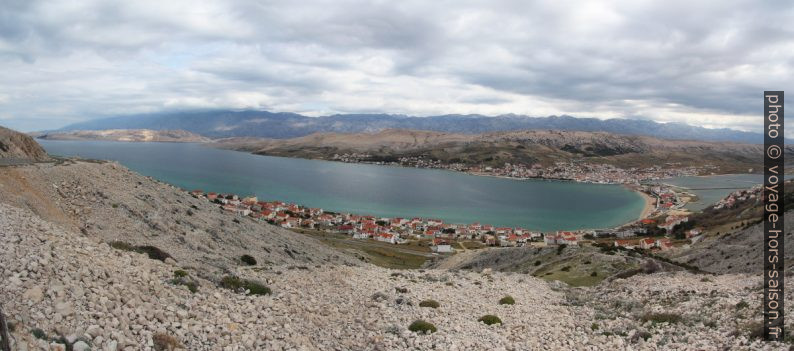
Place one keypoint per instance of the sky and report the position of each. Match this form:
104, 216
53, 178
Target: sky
704, 63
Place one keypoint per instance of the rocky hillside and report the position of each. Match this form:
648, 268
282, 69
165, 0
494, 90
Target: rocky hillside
64, 289
574, 265
740, 251
108, 202
529, 146
19, 147
133, 135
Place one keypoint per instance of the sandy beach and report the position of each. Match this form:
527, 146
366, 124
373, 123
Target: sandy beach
650, 205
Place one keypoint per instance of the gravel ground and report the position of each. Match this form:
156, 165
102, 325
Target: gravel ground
69, 285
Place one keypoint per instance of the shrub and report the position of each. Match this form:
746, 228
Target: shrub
192, 286
421, 326
507, 300
248, 259
430, 303
537, 263
39, 334
165, 342
153, 252
594, 274
237, 284
742, 304
594, 326
180, 273
656, 318
560, 248
566, 268
490, 319
115, 205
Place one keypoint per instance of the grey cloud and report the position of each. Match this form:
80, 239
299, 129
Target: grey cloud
62, 61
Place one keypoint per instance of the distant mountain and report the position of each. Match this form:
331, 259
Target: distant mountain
225, 123
131, 135
544, 147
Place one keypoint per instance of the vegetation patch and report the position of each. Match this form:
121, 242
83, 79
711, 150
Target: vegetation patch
420, 326
430, 303
658, 318
507, 300
490, 319
151, 251
240, 285
248, 259
181, 278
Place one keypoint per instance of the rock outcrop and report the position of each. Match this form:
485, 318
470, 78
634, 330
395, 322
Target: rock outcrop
21, 147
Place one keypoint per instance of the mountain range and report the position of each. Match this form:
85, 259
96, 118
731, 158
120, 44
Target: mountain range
282, 125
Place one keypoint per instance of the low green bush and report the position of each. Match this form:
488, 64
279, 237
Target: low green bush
490, 319
657, 318
180, 273
237, 284
248, 259
151, 251
420, 326
507, 300
430, 303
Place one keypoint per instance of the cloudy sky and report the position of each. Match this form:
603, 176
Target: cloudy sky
699, 62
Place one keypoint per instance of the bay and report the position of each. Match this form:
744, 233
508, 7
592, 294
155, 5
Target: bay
371, 189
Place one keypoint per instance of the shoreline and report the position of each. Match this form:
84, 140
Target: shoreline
650, 205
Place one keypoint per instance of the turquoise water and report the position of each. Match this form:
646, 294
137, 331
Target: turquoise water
368, 189
704, 187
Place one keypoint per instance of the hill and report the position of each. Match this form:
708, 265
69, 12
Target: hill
97, 257
106, 201
132, 135
264, 124
18, 147
517, 147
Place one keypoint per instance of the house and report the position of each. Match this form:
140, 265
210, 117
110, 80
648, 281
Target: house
647, 243
212, 196
664, 244
361, 235
550, 239
387, 238
197, 193
566, 238
624, 243
692, 233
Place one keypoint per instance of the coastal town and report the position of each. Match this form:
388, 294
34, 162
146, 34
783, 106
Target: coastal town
663, 203
573, 171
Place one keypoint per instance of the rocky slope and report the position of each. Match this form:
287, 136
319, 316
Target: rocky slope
574, 265
63, 288
132, 135
19, 147
740, 251
111, 203
529, 146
